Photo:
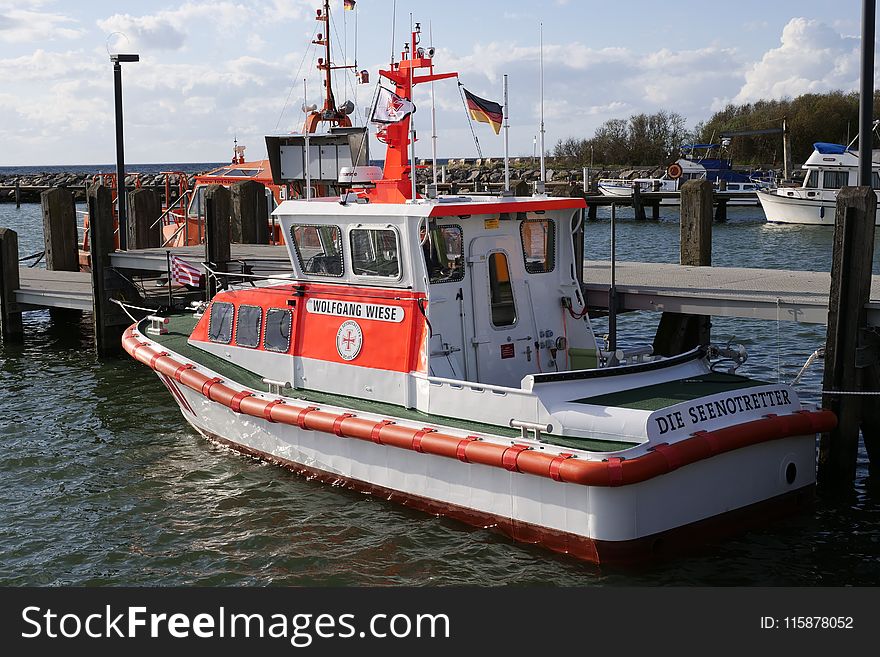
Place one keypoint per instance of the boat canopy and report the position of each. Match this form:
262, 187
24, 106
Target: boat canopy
693, 147
825, 148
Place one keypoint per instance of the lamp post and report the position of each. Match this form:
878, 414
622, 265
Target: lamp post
120, 151
866, 92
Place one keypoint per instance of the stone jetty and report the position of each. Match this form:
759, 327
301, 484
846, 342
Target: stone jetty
465, 174
30, 185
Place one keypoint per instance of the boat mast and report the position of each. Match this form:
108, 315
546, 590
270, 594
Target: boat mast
506, 132
412, 122
541, 37
396, 185
329, 113
433, 114
308, 150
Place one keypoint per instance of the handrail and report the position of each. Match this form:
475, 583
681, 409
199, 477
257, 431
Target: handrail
175, 233
170, 208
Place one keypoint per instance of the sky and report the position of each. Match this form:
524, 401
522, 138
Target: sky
211, 71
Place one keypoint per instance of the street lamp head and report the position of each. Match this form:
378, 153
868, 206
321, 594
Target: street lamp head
119, 58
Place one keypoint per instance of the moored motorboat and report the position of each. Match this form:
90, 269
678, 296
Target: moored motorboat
739, 187
829, 168
438, 352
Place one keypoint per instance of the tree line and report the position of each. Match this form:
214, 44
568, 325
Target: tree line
656, 139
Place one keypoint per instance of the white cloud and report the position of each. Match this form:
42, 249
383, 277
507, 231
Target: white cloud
43, 65
168, 29
812, 58
145, 32
23, 26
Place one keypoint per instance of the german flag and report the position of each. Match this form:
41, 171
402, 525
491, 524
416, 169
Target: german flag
484, 111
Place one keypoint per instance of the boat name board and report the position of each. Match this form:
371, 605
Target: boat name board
710, 413
355, 309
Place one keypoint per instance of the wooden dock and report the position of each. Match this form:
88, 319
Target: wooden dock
768, 294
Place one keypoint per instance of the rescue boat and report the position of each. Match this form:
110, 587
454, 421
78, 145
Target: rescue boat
438, 351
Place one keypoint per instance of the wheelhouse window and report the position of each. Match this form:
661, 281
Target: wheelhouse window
197, 203
374, 252
220, 322
248, 326
812, 180
318, 249
277, 335
875, 180
444, 254
835, 179
539, 245
501, 291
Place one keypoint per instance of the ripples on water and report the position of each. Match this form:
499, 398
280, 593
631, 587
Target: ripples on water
103, 483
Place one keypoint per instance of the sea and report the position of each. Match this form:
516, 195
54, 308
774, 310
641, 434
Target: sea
103, 483
186, 167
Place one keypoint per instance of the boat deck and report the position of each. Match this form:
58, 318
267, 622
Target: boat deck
180, 327
655, 397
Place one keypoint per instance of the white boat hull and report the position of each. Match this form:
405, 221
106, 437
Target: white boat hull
596, 523
796, 209
625, 191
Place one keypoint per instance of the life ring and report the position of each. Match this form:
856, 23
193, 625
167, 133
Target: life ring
674, 171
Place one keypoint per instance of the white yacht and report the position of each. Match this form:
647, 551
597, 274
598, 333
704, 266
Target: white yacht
830, 167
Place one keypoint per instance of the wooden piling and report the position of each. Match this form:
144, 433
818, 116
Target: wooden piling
217, 234
655, 210
250, 213
59, 229
142, 219
638, 206
851, 351
679, 332
720, 210
108, 318
11, 329
61, 240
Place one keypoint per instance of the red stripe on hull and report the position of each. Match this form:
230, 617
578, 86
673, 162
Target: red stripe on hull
610, 472
663, 545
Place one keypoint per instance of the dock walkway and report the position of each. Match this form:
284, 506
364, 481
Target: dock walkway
768, 294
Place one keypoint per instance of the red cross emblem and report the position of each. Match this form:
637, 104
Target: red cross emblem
349, 340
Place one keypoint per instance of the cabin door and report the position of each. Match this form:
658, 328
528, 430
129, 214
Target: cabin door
503, 319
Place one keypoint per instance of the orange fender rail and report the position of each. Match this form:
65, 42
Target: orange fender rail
614, 471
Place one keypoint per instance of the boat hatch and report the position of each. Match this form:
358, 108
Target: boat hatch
662, 395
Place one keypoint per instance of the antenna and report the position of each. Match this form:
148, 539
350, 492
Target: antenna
308, 150
433, 108
412, 123
541, 47
506, 132
393, 19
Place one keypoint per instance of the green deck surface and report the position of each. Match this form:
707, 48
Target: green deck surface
661, 395
180, 327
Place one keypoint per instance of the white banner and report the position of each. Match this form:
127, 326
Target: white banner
357, 310
391, 108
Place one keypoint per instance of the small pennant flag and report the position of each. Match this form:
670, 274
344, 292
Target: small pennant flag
348, 4
184, 273
484, 111
391, 108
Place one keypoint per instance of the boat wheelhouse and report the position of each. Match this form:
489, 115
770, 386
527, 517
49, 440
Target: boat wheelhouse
438, 351
829, 168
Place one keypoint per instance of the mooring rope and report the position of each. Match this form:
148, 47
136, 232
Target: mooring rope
36, 257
